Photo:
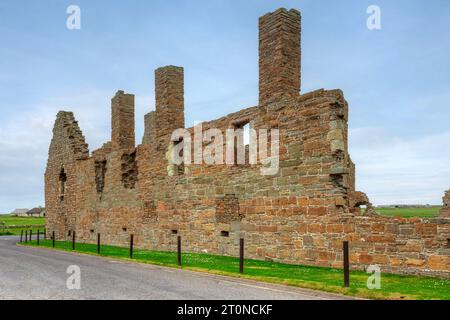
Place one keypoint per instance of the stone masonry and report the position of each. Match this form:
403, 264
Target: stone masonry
445, 212
300, 215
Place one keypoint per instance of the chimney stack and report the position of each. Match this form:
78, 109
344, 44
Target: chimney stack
122, 121
169, 91
279, 55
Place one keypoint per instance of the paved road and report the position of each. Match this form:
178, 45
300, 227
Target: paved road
32, 273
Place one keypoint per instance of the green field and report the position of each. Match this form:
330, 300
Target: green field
21, 223
327, 279
426, 212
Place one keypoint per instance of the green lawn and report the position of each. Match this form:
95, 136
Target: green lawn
21, 223
327, 279
426, 212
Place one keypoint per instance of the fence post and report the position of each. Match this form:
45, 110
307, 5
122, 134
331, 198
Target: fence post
179, 250
53, 239
98, 243
21, 235
37, 237
346, 265
26, 236
241, 256
131, 246
45, 234
73, 240
31, 232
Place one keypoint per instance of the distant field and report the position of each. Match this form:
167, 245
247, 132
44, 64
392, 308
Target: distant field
426, 212
22, 222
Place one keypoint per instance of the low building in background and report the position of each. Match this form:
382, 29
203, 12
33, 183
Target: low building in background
20, 212
37, 212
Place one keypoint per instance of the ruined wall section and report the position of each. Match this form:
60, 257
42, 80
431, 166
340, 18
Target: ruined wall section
270, 207
67, 147
407, 246
107, 181
301, 215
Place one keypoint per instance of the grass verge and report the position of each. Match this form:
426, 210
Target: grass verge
425, 212
10, 225
9, 220
325, 279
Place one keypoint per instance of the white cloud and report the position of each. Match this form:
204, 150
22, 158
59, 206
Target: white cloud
394, 170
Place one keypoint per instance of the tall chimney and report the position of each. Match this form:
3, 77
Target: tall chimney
169, 90
122, 121
149, 132
279, 55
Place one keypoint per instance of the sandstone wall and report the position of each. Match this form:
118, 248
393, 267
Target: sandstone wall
301, 215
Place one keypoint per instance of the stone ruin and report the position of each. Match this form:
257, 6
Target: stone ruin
301, 215
445, 212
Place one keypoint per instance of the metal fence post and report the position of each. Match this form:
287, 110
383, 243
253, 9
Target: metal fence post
131, 246
45, 234
98, 243
53, 239
31, 232
241, 256
26, 236
21, 235
73, 240
37, 237
346, 265
179, 250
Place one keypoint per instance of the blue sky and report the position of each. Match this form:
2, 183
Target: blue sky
396, 79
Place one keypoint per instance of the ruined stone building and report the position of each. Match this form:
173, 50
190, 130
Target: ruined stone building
300, 215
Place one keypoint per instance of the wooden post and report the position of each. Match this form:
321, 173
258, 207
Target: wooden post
26, 236
37, 237
53, 239
31, 232
179, 250
45, 234
346, 265
131, 246
21, 235
73, 240
98, 243
241, 256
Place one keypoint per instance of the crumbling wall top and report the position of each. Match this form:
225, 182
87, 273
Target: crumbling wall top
67, 126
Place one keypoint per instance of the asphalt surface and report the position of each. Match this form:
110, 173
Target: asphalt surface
34, 273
